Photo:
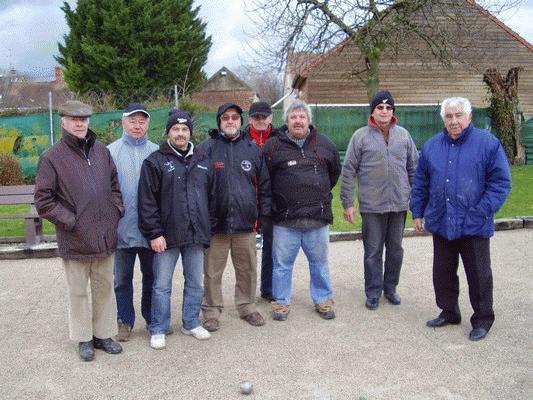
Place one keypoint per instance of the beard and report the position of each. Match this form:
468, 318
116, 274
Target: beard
230, 135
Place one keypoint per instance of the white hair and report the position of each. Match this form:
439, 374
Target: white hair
298, 105
461, 102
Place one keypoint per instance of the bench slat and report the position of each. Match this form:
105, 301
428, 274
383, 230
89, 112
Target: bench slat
18, 216
16, 199
17, 189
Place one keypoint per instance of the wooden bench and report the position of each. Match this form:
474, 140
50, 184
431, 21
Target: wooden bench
33, 224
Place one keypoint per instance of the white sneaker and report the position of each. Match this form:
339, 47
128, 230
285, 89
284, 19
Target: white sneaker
157, 342
199, 332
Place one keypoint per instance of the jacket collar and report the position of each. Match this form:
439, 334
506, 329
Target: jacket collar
463, 136
132, 141
285, 136
73, 141
166, 148
372, 122
215, 134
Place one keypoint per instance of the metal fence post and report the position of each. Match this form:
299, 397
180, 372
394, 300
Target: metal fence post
51, 118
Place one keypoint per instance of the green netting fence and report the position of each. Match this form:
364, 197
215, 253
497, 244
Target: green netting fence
27, 136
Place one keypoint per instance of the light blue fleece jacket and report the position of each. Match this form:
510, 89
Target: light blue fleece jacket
128, 154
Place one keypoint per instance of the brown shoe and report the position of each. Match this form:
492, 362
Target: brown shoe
325, 309
254, 319
280, 311
211, 324
124, 332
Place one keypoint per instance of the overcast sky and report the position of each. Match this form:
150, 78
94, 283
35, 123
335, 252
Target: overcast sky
30, 30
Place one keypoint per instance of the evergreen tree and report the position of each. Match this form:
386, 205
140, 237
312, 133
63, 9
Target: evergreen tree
130, 47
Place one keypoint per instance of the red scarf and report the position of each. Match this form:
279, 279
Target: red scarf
260, 137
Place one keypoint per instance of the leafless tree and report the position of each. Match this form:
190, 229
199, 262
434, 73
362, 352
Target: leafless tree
378, 28
267, 83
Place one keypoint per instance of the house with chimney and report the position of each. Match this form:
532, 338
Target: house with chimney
222, 87
18, 92
328, 79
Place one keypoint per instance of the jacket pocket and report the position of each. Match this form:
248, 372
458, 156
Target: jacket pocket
475, 223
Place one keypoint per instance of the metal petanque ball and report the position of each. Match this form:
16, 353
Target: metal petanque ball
246, 387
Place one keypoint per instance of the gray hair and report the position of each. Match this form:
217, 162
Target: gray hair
298, 105
461, 102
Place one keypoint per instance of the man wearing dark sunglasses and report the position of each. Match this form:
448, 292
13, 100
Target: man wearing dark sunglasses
241, 196
382, 156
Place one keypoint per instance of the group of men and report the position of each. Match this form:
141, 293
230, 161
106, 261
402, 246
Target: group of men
157, 203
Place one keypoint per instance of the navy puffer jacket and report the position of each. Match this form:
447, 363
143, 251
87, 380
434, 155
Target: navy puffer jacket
174, 193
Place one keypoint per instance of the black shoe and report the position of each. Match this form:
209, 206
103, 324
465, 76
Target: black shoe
86, 350
439, 322
372, 303
477, 334
267, 297
393, 298
108, 345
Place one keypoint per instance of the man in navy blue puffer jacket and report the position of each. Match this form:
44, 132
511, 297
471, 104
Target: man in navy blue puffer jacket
241, 197
461, 181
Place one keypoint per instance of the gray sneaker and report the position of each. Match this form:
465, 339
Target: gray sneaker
325, 309
280, 311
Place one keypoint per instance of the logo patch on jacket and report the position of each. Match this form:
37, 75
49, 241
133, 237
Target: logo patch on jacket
246, 165
170, 166
291, 163
219, 164
201, 167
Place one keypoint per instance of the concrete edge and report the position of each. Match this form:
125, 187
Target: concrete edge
15, 251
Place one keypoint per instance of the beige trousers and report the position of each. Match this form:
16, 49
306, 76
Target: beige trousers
244, 258
95, 315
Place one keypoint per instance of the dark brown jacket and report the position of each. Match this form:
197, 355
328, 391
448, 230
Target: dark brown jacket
81, 196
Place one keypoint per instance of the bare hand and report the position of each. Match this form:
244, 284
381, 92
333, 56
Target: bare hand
419, 225
159, 244
349, 215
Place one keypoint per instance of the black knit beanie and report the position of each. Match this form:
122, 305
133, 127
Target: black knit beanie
178, 117
383, 97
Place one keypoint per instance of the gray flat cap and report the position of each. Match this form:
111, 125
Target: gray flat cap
74, 108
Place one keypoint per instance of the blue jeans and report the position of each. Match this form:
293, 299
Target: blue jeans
382, 230
193, 291
123, 270
285, 247
266, 257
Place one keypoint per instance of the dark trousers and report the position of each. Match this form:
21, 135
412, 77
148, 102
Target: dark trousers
123, 271
266, 257
475, 254
382, 230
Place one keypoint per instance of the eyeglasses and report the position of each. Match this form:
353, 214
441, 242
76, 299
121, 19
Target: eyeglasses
382, 107
233, 117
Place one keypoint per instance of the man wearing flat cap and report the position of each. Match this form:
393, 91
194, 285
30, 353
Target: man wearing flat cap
260, 130
77, 189
128, 153
241, 197
382, 156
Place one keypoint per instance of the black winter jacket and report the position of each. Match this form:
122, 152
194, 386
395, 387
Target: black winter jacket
241, 182
302, 178
174, 194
